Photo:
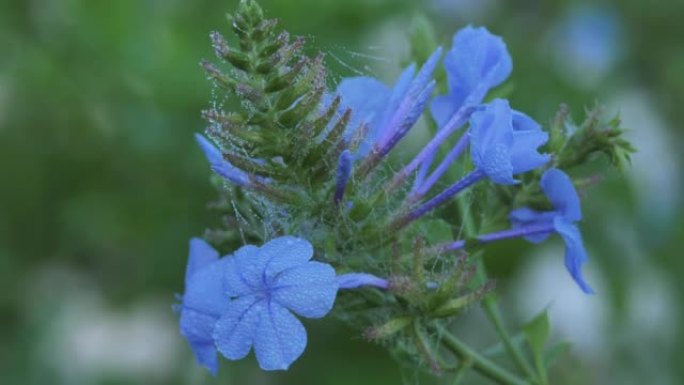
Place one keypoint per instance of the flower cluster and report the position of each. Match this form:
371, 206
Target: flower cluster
307, 174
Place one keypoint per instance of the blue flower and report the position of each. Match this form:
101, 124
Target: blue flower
247, 299
262, 287
504, 142
559, 189
220, 165
477, 62
388, 113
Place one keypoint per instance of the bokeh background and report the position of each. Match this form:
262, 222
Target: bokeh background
101, 184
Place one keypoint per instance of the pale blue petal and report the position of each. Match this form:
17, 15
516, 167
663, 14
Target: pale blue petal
366, 96
477, 62
575, 254
283, 253
234, 281
407, 116
358, 280
249, 266
197, 328
523, 122
527, 138
205, 354
280, 338
442, 108
231, 173
220, 165
559, 189
204, 290
424, 76
235, 331
211, 152
525, 216
399, 91
201, 254
309, 290
491, 138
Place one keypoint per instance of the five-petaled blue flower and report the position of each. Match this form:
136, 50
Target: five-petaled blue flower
504, 142
559, 189
246, 300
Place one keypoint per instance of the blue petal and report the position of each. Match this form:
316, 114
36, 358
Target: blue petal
491, 138
406, 117
525, 216
344, 168
357, 280
235, 331
559, 189
235, 282
204, 291
527, 137
399, 91
220, 165
280, 338
197, 328
442, 109
575, 254
424, 76
477, 62
248, 265
211, 152
283, 253
366, 96
201, 254
308, 290
231, 173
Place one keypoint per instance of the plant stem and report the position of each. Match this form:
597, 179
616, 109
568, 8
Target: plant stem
494, 315
463, 367
480, 364
489, 302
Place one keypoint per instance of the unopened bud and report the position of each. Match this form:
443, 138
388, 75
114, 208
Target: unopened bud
387, 329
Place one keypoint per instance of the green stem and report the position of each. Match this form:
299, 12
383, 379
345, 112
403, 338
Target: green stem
462, 369
489, 302
424, 347
480, 364
494, 316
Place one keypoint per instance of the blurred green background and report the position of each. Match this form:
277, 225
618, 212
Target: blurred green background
102, 185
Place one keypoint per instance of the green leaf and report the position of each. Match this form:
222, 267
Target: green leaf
537, 332
499, 349
422, 38
557, 351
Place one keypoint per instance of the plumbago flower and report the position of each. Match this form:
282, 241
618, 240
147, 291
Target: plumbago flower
504, 142
246, 300
303, 159
559, 189
536, 226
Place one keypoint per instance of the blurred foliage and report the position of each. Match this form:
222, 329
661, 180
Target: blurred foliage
100, 175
